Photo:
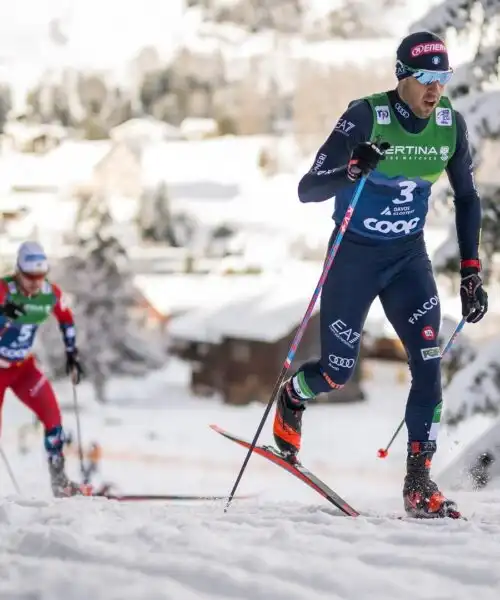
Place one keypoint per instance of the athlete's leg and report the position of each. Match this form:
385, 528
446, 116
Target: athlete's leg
5, 378
411, 303
349, 289
33, 388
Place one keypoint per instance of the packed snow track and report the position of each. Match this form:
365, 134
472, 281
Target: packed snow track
94, 548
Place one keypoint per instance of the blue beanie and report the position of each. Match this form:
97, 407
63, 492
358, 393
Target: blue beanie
421, 50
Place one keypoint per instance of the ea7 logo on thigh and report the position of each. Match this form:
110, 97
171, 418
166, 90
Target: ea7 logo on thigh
430, 353
344, 333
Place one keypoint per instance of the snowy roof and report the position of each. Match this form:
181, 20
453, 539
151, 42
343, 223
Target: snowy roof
70, 163
263, 307
198, 125
146, 127
178, 293
268, 311
227, 159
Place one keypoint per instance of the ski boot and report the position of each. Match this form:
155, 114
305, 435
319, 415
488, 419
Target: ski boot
422, 497
287, 427
62, 486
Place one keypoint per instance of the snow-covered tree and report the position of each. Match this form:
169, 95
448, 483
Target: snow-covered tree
158, 223
99, 283
155, 216
362, 18
461, 353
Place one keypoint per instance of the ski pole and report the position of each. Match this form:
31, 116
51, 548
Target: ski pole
300, 331
10, 471
383, 452
78, 428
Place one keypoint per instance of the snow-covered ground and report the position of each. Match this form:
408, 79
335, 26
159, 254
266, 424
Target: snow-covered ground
284, 543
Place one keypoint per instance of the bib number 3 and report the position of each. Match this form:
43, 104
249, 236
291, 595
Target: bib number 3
406, 195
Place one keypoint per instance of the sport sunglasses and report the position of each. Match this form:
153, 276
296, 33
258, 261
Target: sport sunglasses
427, 77
33, 276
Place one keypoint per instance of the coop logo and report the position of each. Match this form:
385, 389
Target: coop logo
420, 152
12, 354
430, 353
344, 334
402, 110
427, 306
387, 227
344, 126
429, 48
340, 362
383, 115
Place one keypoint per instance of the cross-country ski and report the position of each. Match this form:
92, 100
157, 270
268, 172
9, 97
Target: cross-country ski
296, 469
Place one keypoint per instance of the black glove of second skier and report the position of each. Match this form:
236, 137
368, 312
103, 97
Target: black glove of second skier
474, 298
365, 158
73, 366
12, 311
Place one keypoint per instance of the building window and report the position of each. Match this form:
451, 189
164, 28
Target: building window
240, 352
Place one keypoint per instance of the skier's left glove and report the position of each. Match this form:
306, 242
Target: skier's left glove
73, 366
472, 294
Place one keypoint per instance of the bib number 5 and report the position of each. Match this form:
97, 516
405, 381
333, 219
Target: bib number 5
25, 333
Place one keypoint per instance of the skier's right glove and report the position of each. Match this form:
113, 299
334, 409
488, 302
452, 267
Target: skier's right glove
12, 310
73, 366
365, 158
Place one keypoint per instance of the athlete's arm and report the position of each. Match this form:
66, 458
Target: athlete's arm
328, 173
466, 198
4, 291
64, 316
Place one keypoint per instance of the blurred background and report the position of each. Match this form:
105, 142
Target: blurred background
154, 148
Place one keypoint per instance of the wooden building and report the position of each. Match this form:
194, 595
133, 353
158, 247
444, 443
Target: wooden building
238, 349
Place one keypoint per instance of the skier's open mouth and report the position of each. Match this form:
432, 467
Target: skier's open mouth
430, 103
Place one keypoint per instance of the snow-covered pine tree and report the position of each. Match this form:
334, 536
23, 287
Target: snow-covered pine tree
475, 92
100, 285
155, 216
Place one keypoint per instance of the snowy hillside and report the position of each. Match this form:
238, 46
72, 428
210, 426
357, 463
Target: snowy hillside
286, 543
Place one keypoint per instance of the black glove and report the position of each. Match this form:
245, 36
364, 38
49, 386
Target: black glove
474, 298
364, 158
12, 311
73, 367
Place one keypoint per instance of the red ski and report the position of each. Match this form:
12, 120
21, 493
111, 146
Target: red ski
296, 469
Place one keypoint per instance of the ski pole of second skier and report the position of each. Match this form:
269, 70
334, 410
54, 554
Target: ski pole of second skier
300, 331
10, 471
78, 427
383, 452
